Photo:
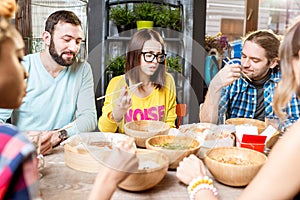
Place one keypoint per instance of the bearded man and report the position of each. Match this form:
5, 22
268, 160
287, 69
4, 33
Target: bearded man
60, 87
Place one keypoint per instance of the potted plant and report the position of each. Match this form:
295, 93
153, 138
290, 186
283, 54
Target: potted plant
175, 22
115, 67
122, 17
174, 64
162, 19
169, 20
145, 14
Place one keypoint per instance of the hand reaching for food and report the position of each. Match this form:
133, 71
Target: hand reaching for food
189, 168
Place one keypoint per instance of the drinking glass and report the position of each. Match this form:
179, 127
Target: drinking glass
278, 125
36, 138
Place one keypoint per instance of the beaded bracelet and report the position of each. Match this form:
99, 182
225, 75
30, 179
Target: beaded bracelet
200, 183
199, 180
203, 186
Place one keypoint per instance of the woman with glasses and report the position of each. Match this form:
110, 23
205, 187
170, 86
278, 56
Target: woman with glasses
146, 91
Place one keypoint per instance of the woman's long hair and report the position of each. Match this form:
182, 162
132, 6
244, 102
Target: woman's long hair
289, 49
134, 53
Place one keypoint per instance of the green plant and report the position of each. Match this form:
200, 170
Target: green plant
116, 65
163, 17
174, 64
175, 17
145, 11
168, 17
121, 15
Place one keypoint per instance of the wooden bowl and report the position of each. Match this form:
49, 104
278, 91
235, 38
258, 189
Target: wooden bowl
82, 153
190, 145
85, 150
153, 167
261, 126
142, 130
234, 166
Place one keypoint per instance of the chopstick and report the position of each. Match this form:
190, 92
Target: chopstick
247, 77
130, 88
243, 73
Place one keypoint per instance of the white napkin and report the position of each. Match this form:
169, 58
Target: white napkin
269, 132
240, 130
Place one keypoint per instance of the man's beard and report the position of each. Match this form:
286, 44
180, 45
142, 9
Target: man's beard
58, 58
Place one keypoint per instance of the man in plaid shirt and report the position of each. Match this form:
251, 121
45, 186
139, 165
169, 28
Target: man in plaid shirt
232, 95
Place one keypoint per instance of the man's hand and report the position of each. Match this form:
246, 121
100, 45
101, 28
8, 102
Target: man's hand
46, 147
227, 75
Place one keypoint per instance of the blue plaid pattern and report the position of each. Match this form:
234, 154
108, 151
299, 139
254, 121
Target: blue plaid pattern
240, 98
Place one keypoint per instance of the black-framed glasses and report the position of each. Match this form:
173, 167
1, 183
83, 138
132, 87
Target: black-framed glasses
149, 57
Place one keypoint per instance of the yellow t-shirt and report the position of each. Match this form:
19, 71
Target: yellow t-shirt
159, 105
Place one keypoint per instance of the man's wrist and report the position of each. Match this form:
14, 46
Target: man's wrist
63, 135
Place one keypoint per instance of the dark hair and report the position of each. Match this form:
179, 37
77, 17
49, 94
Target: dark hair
61, 16
267, 40
133, 57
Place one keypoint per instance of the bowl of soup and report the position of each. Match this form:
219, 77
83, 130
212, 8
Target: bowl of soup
174, 147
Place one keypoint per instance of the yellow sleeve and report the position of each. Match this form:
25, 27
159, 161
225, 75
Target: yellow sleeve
171, 104
105, 122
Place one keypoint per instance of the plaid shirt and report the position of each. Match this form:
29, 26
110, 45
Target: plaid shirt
18, 169
240, 100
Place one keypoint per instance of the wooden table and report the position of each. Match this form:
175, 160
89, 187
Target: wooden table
60, 182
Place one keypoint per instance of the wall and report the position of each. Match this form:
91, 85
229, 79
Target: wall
41, 9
